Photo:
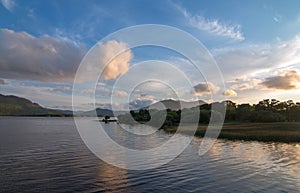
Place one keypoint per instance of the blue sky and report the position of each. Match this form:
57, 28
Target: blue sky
255, 43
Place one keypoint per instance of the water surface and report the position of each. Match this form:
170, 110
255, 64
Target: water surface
47, 154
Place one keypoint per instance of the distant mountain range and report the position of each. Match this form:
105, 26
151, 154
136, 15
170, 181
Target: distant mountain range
175, 105
16, 106
100, 113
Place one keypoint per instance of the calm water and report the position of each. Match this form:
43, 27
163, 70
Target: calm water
47, 154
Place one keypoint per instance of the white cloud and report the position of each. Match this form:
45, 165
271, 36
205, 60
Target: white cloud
108, 60
44, 58
143, 96
230, 93
246, 61
119, 64
213, 26
120, 94
8, 4
61, 89
137, 104
277, 18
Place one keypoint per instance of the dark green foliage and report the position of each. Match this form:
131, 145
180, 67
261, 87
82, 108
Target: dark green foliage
204, 116
264, 111
243, 112
266, 116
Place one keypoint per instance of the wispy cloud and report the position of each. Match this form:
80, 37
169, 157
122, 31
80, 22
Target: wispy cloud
62, 89
8, 4
213, 26
120, 94
277, 18
251, 60
244, 86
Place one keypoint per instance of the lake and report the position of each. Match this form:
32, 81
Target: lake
39, 154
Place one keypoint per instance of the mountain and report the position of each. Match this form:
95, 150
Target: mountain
175, 105
11, 105
66, 112
100, 113
16, 106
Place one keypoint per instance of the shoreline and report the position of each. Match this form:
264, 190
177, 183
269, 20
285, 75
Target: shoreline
288, 132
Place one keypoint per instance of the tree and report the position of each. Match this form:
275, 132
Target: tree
230, 111
243, 112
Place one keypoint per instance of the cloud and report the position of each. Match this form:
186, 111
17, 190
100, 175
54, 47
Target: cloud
40, 94
137, 104
140, 100
111, 59
244, 86
143, 96
204, 88
213, 26
119, 64
283, 80
120, 94
249, 60
239, 79
230, 93
61, 89
277, 18
44, 58
9, 4
2, 82
31, 13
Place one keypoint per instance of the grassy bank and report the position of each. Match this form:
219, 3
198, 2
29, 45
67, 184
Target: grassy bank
277, 132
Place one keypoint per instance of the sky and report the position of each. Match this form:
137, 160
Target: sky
255, 44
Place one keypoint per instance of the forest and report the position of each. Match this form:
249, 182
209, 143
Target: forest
267, 110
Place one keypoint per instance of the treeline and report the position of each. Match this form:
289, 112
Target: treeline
264, 111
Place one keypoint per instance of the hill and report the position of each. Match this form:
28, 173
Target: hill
16, 106
175, 105
100, 113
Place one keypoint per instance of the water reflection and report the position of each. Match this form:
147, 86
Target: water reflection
47, 154
112, 178
265, 158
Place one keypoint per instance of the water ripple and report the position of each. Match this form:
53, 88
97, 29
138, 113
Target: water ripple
47, 155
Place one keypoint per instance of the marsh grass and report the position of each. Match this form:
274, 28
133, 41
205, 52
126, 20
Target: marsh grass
277, 132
